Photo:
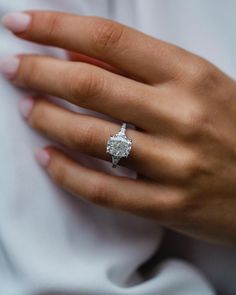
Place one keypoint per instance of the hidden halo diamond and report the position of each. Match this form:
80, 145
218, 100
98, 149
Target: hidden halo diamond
119, 146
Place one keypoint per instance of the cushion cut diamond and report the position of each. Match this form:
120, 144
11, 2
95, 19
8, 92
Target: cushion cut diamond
119, 146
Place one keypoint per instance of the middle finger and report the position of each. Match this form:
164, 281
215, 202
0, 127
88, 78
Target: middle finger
88, 86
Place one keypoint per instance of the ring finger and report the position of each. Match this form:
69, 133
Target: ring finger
153, 157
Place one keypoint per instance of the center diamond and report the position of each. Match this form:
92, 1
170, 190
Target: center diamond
119, 146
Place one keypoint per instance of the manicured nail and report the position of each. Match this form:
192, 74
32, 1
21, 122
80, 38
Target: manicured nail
25, 106
9, 66
17, 22
42, 157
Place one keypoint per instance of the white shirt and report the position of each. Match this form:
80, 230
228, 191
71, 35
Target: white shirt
52, 243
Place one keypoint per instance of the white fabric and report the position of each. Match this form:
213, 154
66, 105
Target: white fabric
51, 243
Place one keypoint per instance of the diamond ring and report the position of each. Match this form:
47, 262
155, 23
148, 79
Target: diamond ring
119, 146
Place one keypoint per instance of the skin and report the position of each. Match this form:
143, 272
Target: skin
184, 108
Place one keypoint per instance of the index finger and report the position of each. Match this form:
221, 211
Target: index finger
131, 51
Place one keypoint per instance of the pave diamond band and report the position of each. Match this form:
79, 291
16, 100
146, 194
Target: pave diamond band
119, 146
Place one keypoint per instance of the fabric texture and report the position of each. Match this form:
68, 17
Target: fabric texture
52, 243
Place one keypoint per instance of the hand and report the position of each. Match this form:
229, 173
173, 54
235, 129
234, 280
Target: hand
184, 108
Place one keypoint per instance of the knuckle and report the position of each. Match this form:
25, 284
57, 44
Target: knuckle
90, 135
198, 118
92, 85
84, 138
178, 207
52, 24
106, 34
182, 210
194, 168
181, 203
203, 76
99, 193
189, 170
88, 84
196, 123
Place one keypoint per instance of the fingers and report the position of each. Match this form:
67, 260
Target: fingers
151, 157
87, 86
139, 197
76, 131
122, 47
73, 56
164, 110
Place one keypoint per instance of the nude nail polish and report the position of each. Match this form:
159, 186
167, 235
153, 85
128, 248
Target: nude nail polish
9, 66
42, 157
17, 22
25, 106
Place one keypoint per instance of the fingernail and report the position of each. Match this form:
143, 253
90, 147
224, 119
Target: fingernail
25, 106
17, 22
9, 66
42, 157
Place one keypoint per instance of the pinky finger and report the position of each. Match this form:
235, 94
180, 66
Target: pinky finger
141, 197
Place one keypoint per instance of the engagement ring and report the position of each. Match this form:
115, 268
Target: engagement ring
119, 146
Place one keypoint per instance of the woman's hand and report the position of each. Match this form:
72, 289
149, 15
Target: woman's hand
184, 149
